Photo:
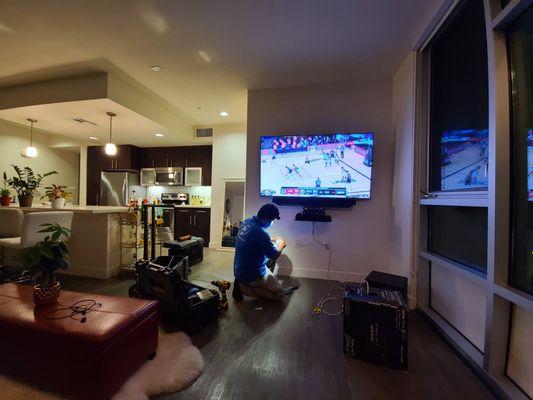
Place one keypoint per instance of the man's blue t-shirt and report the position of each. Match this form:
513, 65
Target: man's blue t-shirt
252, 250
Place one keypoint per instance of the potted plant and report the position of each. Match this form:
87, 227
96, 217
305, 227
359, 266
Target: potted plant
26, 184
5, 194
43, 259
57, 195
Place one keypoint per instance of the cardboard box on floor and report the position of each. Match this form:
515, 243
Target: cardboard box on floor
375, 326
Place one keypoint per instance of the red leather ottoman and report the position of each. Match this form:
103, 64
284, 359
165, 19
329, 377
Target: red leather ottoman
85, 360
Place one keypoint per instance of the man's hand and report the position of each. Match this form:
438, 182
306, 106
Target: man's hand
280, 244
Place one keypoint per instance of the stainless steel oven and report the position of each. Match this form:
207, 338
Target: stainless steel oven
169, 176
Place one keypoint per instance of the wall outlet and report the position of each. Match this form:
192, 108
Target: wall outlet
300, 243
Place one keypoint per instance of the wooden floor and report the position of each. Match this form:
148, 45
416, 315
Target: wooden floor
266, 350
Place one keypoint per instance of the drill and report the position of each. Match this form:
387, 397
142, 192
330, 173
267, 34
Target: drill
223, 286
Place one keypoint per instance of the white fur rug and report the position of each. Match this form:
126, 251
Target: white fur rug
177, 364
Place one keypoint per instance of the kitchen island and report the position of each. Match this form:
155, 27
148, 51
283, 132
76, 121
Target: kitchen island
94, 243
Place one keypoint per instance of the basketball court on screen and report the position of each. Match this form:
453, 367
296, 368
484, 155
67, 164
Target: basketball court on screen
310, 168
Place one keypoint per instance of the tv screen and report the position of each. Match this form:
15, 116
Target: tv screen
530, 164
464, 159
317, 165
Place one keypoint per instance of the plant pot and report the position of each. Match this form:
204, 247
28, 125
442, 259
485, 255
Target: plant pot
58, 203
5, 201
25, 200
46, 296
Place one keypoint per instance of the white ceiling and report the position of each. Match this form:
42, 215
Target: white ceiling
243, 43
128, 126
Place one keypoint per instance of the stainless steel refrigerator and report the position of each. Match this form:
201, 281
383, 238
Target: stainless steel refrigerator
116, 187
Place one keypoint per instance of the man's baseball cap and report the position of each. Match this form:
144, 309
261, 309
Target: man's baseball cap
268, 212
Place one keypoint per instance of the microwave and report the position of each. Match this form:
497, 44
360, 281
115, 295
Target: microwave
172, 176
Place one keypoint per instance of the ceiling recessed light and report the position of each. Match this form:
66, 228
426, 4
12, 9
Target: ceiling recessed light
159, 134
223, 113
156, 68
93, 138
204, 56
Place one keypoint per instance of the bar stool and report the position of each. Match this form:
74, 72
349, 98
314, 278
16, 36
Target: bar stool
31, 224
10, 229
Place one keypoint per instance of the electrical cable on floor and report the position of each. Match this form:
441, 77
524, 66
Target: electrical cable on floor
321, 309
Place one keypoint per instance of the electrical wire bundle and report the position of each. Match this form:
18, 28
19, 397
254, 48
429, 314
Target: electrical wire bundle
320, 307
77, 311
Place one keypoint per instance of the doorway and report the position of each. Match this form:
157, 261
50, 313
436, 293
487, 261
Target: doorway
233, 212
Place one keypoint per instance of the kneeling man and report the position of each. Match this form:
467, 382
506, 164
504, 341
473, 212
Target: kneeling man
255, 253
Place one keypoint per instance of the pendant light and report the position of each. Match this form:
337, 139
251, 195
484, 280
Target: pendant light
110, 147
30, 151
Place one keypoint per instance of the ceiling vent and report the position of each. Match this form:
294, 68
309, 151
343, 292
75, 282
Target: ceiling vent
83, 120
202, 133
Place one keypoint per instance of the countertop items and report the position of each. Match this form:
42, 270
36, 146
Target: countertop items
75, 209
190, 206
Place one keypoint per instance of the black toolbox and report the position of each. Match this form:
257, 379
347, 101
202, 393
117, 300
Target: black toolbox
192, 248
375, 326
180, 300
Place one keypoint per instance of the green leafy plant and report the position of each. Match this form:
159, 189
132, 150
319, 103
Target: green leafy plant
48, 255
4, 191
26, 183
56, 192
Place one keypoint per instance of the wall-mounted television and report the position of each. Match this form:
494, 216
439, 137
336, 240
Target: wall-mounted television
317, 166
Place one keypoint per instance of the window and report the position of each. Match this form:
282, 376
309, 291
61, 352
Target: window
520, 45
459, 234
504, 3
459, 102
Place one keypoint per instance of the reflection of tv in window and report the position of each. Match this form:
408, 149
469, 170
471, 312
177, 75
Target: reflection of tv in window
464, 159
317, 165
530, 164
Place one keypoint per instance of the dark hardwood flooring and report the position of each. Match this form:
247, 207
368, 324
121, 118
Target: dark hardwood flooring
267, 350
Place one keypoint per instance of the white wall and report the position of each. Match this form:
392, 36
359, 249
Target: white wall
520, 362
14, 137
460, 302
229, 163
403, 125
358, 237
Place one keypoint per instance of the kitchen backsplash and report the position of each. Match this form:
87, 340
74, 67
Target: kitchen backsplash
203, 191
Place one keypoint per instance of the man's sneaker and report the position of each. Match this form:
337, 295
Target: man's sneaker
290, 289
236, 293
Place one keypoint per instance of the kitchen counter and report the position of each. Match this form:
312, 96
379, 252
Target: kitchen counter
74, 208
190, 206
94, 243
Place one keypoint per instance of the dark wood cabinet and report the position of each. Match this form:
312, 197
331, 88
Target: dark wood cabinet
181, 156
202, 223
192, 221
182, 222
132, 157
154, 157
127, 157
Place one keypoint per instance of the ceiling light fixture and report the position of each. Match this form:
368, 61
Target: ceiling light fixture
223, 113
110, 147
159, 134
30, 151
156, 68
93, 138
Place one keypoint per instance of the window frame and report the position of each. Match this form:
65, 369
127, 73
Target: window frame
492, 363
